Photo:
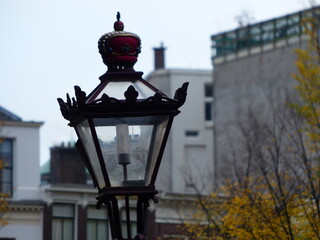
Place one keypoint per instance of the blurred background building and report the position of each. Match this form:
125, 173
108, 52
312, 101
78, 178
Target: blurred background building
19, 176
253, 67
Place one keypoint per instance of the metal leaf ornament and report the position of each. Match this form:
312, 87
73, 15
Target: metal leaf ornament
131, 94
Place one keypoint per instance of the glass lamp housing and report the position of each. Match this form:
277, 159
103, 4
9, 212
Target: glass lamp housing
122, 136
123, 152
115, 88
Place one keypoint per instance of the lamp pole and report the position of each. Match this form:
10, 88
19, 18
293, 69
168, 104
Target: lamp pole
122, 128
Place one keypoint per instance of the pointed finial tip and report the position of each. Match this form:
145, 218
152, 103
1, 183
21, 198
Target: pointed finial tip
118, 25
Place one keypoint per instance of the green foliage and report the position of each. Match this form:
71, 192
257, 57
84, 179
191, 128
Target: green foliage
308, 78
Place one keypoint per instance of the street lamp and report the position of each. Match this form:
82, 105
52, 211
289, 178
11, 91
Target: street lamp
122, 126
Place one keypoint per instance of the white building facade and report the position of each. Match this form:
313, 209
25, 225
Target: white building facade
19, 177
187, 164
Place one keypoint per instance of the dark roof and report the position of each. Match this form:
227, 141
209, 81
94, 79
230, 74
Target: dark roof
5, 115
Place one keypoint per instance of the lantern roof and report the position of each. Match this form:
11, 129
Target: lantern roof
119, 49
122, 90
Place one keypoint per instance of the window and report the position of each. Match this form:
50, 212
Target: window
133, 222
208, 90
6, 161
97, 224
192, 133
208, 93
62, 222
208, 109
268, 32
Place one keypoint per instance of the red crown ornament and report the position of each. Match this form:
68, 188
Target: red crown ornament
119, 49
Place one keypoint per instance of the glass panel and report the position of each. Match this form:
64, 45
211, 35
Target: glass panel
133, 222
191, 133
230, 42
208, 90
6, 146
218, 45
6, 161
243, 38
84, 133
294, 25
102, 230
293, 19
208, 111
125, 144
56, 229
255, 32
67, 229
117, 89
97, 224
158, 135
6, 188
281, 28
6, 175
268, 34
94, 213
59, 210
62, 221
91, 230
133, 214
133, 227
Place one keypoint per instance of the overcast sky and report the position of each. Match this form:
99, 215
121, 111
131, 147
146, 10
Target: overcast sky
47, 47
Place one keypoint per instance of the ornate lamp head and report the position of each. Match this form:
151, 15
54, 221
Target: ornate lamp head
122, 126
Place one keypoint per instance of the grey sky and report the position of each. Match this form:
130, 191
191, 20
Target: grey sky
47, 47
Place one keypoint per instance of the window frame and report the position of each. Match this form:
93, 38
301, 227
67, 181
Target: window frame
208, 102
63, 218
10, 168
96, 221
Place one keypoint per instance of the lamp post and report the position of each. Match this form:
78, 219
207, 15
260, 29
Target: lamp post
122, 128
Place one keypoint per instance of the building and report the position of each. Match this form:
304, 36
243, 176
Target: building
70, 200
187, 164
188, 156
253, 69
69, 197
19, 176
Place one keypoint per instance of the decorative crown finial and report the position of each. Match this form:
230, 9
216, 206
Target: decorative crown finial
119, 49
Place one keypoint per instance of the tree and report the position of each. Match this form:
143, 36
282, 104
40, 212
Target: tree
276, 192
275, 195
245, 18
308, 78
